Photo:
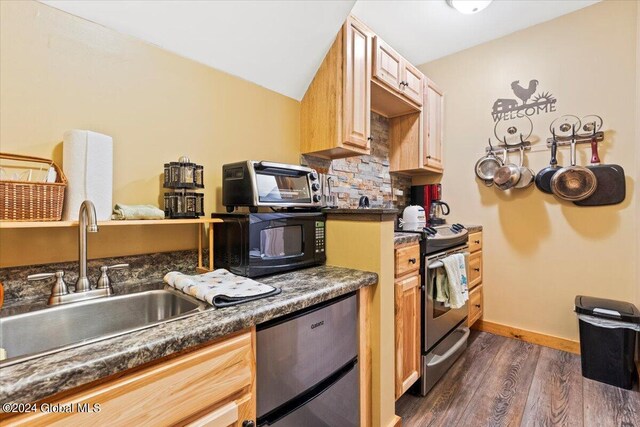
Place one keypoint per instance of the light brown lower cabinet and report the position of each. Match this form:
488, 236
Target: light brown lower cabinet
476, 297
407, 313
213, 386
475, 305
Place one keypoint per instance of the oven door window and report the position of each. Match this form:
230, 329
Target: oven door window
283, 189
281, 242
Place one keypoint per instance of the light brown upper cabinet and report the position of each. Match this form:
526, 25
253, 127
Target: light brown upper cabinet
433, 124
416, 139
335, 112
397, 86
387, 65
413, 79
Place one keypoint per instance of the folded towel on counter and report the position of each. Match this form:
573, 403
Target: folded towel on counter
220, 288
455, 266
121, 211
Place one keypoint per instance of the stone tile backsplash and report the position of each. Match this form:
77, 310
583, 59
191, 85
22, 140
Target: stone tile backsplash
353, 177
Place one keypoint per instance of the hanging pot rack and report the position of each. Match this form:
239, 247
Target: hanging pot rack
562, 141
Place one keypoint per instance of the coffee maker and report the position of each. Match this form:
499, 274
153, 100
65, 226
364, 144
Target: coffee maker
430, 197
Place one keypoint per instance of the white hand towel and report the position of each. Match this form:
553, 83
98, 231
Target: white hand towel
456, 270
87, 161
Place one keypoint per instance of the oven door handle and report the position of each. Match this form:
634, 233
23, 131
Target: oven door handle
438, 263
454, 348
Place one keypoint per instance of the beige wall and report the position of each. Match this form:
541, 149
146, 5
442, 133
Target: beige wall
60, 72
539, 253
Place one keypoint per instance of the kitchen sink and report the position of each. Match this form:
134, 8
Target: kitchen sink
34, 334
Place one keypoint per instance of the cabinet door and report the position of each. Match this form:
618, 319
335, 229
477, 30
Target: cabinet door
163, 394
433, 123
407, 293
356, 86
387, 65
475, 305
475, 269
413, 85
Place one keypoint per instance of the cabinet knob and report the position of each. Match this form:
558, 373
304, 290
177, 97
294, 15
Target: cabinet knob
477, 242
478, 305
412, 260
476, 269
248, 423
370, 138
428, 157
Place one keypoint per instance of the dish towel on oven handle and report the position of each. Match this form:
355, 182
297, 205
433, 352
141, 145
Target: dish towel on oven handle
220, 288
456, 270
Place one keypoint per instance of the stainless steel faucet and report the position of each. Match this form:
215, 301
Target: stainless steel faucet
88, 223
60, 293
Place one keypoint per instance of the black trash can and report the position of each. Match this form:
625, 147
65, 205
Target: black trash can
607, 347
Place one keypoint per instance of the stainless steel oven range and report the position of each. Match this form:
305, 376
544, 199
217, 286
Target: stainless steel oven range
444, 330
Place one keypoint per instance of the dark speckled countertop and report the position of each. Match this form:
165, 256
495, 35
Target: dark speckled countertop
474, 228
38, 378
401, 238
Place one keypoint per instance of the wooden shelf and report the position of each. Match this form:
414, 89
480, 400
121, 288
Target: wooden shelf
58, 224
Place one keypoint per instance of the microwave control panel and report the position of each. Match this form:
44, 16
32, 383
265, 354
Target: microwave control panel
319, 237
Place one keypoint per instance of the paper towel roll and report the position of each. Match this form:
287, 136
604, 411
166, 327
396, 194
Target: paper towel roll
88, 164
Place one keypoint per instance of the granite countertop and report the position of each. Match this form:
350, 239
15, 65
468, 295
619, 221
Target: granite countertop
35, 379
400, 238
369, 214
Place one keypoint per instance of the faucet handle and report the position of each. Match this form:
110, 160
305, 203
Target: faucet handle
104, 282
59, 288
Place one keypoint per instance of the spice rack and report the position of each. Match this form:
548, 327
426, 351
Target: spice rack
183, 176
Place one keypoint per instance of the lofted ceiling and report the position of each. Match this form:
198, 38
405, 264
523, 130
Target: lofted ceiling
279, 44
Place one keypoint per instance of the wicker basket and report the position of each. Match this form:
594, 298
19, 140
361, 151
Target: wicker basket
32, 201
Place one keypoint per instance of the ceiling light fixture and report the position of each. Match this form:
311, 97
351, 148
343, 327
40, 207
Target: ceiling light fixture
469, 7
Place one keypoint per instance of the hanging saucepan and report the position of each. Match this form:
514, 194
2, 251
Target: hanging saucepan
486, 167
507, 176
573, 182
526, 174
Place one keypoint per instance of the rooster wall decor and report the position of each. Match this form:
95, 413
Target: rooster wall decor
509, 109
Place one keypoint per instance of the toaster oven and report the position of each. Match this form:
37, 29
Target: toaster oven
266, 184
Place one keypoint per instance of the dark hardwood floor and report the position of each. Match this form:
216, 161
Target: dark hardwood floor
500, 381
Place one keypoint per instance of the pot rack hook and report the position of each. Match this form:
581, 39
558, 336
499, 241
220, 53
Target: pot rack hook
490, 146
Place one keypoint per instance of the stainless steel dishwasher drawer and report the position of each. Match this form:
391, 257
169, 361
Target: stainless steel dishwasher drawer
298, 352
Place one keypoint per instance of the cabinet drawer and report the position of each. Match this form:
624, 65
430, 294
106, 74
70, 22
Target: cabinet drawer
164, 394
475, 269
475, 241
407, 259
475, 305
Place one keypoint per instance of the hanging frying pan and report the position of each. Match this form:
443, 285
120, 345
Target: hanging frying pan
611, 186
543, 178
573, 182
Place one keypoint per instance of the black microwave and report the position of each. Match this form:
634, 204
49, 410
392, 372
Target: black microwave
258, 244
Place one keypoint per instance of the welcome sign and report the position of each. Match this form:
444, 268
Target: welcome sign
528, 103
